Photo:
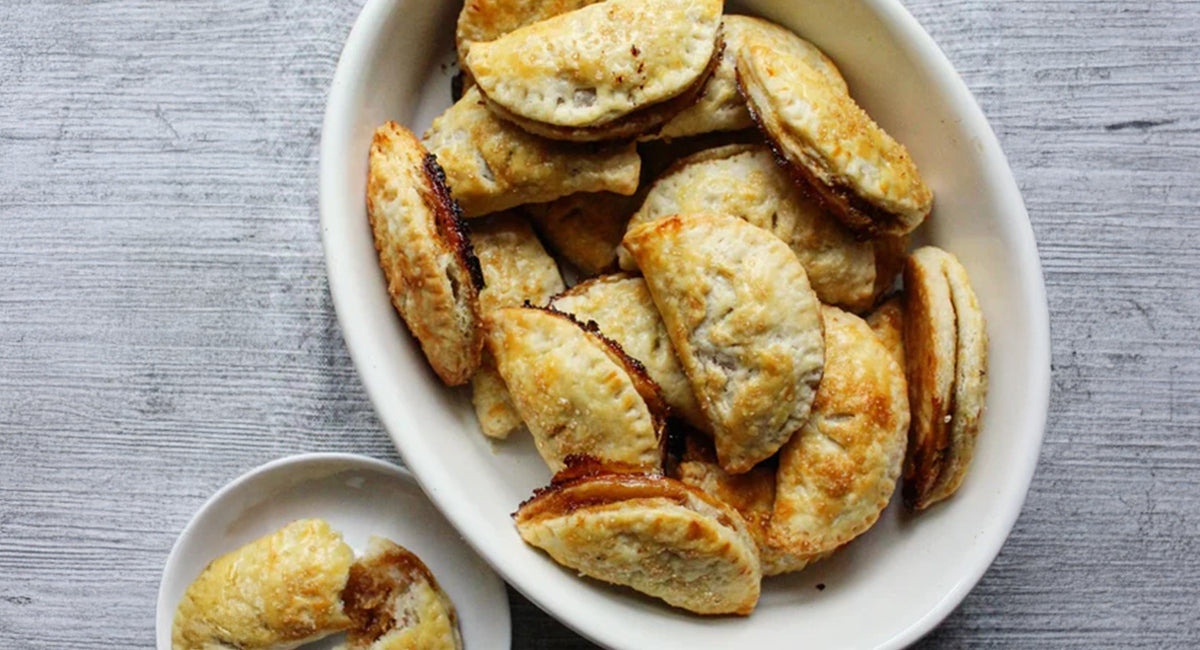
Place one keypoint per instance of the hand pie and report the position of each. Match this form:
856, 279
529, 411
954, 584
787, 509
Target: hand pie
746, 182
839, 471
516, 270
651, 533
859, 172
753, 496
606, 71
425, 252
486, 20
945, 343
492, 165
621, 305
578, 393
276, 593
720, 106
396, 604
585, 229
744, 322
887, 321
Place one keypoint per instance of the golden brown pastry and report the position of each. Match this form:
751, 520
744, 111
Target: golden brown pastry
492, 165
432, 273
396, 604
860, 172
745, 181
621, 305
651, 533
604, 71
744, 322
887, 321
276, 593
720, 106
486, 20
585, 229
945, 345
753, 496
578, 392
516, 270
837, 473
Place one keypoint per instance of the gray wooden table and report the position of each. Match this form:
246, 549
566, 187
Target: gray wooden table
165, 322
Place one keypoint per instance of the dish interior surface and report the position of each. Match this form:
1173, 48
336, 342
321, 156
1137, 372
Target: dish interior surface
359, 497
887, 588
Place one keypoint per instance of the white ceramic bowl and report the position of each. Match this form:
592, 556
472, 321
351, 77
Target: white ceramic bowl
886, 589
359, 497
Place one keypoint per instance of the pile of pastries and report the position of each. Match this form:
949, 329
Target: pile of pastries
736, 384
302, 583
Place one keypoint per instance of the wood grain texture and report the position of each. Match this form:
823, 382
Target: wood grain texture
165, 322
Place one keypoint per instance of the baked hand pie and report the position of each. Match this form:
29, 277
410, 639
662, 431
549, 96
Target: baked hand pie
651, 533
276, 593
745, 324
837, 474
866, 178
585, 229
753, 496
492, 165
486, 20
623, 309
425, 252
945, 345
610, 70
516, 270
746, 181
577, 391
396, 604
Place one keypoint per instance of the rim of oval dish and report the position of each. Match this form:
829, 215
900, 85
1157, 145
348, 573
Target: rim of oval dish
432, 478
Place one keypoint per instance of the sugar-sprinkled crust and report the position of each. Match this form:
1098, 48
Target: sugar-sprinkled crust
837, 473
651, 533
425, 252
597, 64
744, 322
492, 165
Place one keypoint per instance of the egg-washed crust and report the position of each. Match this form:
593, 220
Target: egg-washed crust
654, 534
595, 65
970, 378
744, 322
517, 269
744, 181
641, 121
396, 603
585, 229
425, 252
492, 165
887, 321
280, 591
719, 106
837, 474
576, 390
620, 304
751, 494
931, 351
861, 173
481, 21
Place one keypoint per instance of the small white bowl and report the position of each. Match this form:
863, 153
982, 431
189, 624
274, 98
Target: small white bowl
886, 589
358, 496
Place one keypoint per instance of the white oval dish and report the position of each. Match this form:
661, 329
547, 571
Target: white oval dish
886, 589
359, 497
